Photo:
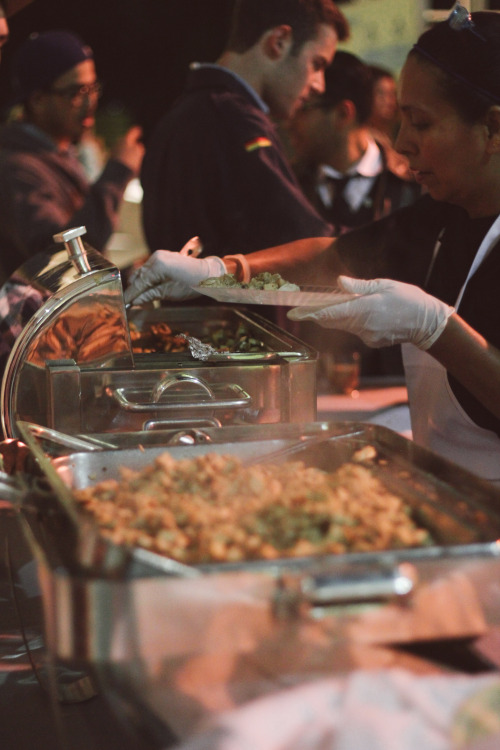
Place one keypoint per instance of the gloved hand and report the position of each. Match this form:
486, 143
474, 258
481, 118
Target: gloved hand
386, 312
169, 275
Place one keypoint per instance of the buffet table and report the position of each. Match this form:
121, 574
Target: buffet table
468, 644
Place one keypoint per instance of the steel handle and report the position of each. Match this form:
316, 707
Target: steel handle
190, 431
236, 399
64, 440
343, 585
171, 381
360, 584
75, 247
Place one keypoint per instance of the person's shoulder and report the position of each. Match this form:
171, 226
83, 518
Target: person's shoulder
208, 85
214, 105
441, 211
20, 152
14, 135
424, 211
209, 94
223, 91
21, 140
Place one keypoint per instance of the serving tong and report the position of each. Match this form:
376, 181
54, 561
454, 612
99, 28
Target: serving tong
198, 349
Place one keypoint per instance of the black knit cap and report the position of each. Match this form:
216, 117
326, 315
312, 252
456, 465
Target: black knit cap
42, 58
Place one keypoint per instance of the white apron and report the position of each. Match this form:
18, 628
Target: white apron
437, 419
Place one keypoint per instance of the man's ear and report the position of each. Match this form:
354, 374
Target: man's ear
346, 112
493, 129
278, 41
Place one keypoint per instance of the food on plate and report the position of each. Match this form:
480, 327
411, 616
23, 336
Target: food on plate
268, 282
213, 508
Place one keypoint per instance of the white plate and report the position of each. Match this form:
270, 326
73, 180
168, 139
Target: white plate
308, 296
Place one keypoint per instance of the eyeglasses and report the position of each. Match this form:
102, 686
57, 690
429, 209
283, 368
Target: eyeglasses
76, 94
460, 20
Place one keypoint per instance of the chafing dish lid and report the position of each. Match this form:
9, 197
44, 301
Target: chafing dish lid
65, 303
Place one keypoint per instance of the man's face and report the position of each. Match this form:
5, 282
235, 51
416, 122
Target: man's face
299, 75
67, 109
4, 28
385, 103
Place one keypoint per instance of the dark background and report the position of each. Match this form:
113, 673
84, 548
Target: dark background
142, 47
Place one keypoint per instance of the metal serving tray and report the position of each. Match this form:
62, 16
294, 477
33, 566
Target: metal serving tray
205, 320
77, 341
161, 390
461, 512
176, 643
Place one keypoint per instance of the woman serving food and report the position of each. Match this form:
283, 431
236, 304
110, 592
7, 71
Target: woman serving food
428, 275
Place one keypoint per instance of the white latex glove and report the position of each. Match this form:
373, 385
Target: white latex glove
170, 275
386, 312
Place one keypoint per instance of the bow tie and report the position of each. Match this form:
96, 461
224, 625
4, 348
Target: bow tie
336, 186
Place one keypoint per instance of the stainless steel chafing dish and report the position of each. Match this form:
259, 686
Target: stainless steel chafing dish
178, 642
72, 366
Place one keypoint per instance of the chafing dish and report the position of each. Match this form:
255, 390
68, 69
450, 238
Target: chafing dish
179, 642
72, 366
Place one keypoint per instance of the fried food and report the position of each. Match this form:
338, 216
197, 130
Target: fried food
156, 337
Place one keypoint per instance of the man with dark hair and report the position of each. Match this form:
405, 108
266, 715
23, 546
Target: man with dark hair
215, 166
43, 188
251, 18
347, 174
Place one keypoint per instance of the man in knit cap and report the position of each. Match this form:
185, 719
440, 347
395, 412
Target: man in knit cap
43, 188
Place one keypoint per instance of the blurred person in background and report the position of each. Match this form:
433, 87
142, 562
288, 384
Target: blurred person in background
385, 116
215, 166
43, 187
4, 27
346, 173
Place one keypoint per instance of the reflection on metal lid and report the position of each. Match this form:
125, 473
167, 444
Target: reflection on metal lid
75, 312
